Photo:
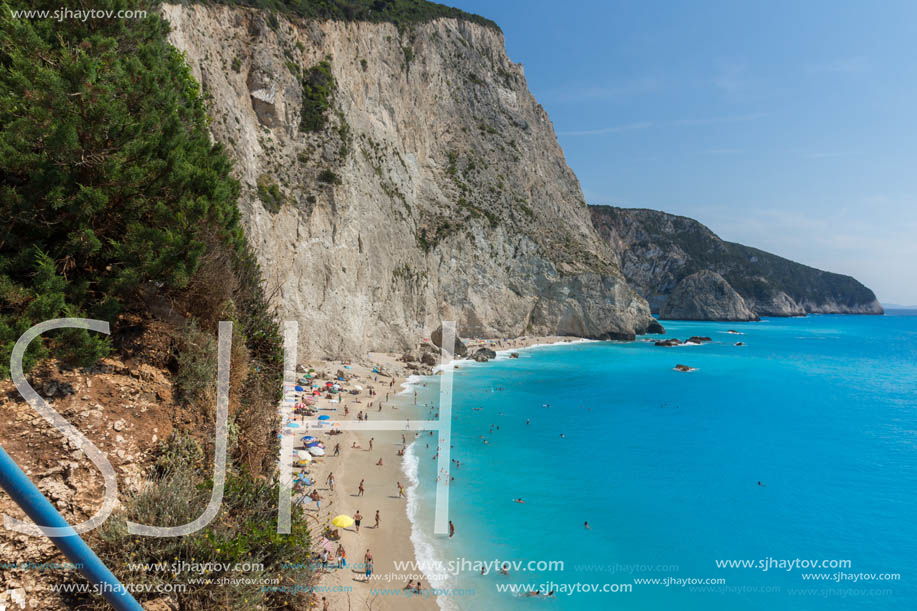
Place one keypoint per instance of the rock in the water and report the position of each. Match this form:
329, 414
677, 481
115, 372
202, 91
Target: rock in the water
697, 339
460, 348
680, 367
705, 295
484, 354
668, 343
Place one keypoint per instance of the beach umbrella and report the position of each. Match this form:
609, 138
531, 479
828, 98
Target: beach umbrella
303, 455
316, 451
298, 388
342, 521
308, 438
324, 417
314, 444
358, 387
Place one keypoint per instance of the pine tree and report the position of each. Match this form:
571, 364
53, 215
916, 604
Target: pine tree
109, 183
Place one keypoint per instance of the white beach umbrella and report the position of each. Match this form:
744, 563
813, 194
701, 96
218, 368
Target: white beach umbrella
316, 451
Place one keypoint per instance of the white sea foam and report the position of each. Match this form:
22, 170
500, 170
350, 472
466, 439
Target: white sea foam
424, 546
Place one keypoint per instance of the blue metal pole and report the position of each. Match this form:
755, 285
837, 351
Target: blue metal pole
18, 485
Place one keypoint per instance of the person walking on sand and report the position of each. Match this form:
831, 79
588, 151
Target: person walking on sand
368, 563
401, 491
371, 440
325, 604
317, 498
378, 519
361, 490
337, 449
357, 517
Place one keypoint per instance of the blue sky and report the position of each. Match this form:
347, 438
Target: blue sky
789, 126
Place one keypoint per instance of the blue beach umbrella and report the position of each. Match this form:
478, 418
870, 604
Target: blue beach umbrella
324, 417
298, 388
308, 438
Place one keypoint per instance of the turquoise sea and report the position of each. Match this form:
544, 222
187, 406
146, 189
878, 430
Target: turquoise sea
665, 465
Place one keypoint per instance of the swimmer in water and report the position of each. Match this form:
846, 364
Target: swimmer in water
519, 500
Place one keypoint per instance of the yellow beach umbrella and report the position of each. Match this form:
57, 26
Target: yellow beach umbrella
342, 521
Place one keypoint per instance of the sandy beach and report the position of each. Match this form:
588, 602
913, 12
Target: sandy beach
389, 542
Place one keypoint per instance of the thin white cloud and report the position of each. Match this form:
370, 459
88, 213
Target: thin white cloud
727, 119
827, 154
634, 87
608, 130
678, 122
723, 152
847, 65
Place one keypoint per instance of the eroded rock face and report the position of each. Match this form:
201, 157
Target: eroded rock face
705, 295
436, 189
657, 251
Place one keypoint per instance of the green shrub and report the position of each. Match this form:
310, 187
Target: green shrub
317, 94
244, 531
399, 12
270, 195
329, 177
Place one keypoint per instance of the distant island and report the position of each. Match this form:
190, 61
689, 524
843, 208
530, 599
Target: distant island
686, 272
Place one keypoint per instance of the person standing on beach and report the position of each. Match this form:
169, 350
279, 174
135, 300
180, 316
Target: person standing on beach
361, 490
342, 556
331, 481
371, 439
357, 517
451, 529
378, 520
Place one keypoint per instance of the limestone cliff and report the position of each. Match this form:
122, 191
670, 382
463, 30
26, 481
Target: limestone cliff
705, 295
396, 176
657, 252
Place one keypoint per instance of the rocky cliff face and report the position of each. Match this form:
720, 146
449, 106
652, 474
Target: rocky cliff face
432, 187
661, 254
705, 295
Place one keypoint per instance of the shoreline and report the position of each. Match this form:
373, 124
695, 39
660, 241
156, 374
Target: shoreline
395, 541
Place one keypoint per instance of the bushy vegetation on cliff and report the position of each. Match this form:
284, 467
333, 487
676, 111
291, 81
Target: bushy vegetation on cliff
117, 206
399, 12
